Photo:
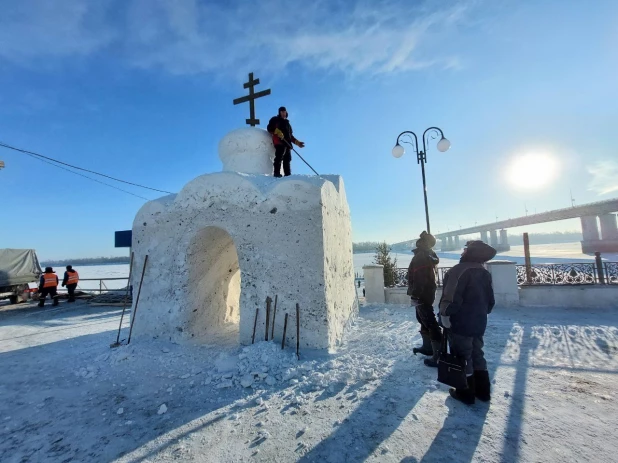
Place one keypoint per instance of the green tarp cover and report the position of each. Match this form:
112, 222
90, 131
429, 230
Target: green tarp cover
18, 266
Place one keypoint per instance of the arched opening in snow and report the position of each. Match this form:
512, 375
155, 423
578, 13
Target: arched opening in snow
214, 284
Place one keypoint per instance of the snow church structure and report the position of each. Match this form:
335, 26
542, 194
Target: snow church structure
229, 239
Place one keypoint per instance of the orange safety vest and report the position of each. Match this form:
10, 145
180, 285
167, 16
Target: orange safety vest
73, 278
50, 280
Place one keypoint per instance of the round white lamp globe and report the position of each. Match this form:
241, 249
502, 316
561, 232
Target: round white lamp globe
444, 145
398, 151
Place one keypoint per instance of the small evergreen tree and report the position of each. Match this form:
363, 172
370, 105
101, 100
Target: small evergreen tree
383, 257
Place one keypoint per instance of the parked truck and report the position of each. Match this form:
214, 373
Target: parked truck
18, 268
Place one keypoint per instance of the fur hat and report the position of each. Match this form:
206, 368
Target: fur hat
478, 251
426, 239
49, 270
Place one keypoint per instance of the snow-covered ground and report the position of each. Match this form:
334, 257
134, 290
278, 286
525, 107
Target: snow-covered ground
66, 396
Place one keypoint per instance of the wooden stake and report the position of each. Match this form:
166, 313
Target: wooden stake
527, 259
268, 301
285, 328
272, 331
297, 331
254, 325
139, 291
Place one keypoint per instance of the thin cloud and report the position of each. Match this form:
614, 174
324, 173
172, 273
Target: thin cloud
604, 177
191, 37
32, 29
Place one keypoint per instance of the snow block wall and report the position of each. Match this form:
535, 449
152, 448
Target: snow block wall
228, 240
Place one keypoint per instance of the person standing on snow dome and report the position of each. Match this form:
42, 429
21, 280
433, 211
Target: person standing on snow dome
281, 130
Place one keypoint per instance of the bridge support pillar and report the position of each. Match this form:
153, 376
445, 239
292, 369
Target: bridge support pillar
590, 234
504, 242
445, 243
607, 242
609, 228
493, 239
590, 229
457, 245
484, 238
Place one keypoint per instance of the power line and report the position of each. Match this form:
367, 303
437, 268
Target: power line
89, 178
4, 145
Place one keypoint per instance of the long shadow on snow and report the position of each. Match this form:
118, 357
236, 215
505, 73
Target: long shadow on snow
575, 344
51, 406
29, 314
371, 423
464, 421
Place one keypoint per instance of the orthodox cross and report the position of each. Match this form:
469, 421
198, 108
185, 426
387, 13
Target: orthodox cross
252, 121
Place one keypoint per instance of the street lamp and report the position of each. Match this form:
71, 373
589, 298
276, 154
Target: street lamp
421, 156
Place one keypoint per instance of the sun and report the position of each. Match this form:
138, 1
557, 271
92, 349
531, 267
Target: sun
532, 170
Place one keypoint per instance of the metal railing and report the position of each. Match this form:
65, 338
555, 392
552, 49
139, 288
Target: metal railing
401, 276
102, 286
588, 273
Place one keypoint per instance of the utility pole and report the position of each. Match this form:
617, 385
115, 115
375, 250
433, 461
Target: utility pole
572, 200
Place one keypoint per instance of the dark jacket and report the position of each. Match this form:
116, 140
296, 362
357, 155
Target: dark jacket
468, 296
278, 122
422, 275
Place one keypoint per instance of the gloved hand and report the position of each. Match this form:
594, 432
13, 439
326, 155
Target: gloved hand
299, 143
279, 133
63, 285
415, 302
446, 321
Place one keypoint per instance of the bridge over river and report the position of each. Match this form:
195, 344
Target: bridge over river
599, 227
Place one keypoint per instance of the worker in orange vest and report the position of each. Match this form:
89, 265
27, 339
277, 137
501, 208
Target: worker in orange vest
48, 284
70, 280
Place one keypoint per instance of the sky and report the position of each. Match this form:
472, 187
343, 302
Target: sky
142, 90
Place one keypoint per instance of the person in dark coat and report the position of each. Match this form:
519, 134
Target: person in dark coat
281, 130
48, 284
422, 291
70, 280
467, 299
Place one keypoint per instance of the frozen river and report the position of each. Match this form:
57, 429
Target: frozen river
546, 253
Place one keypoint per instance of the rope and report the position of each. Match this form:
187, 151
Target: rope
31, 153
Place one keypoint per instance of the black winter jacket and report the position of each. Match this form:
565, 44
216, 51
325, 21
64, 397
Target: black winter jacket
468, 297
278, 122
422, 275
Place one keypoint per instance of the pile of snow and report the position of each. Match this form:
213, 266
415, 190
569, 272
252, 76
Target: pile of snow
259, 367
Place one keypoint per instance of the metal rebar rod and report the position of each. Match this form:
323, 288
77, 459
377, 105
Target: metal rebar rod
285, 328
126, 298
297, 331
257, 311
272, 331
267, 324
139, 291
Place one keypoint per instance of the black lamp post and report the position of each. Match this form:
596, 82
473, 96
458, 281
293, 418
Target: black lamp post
421, 156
